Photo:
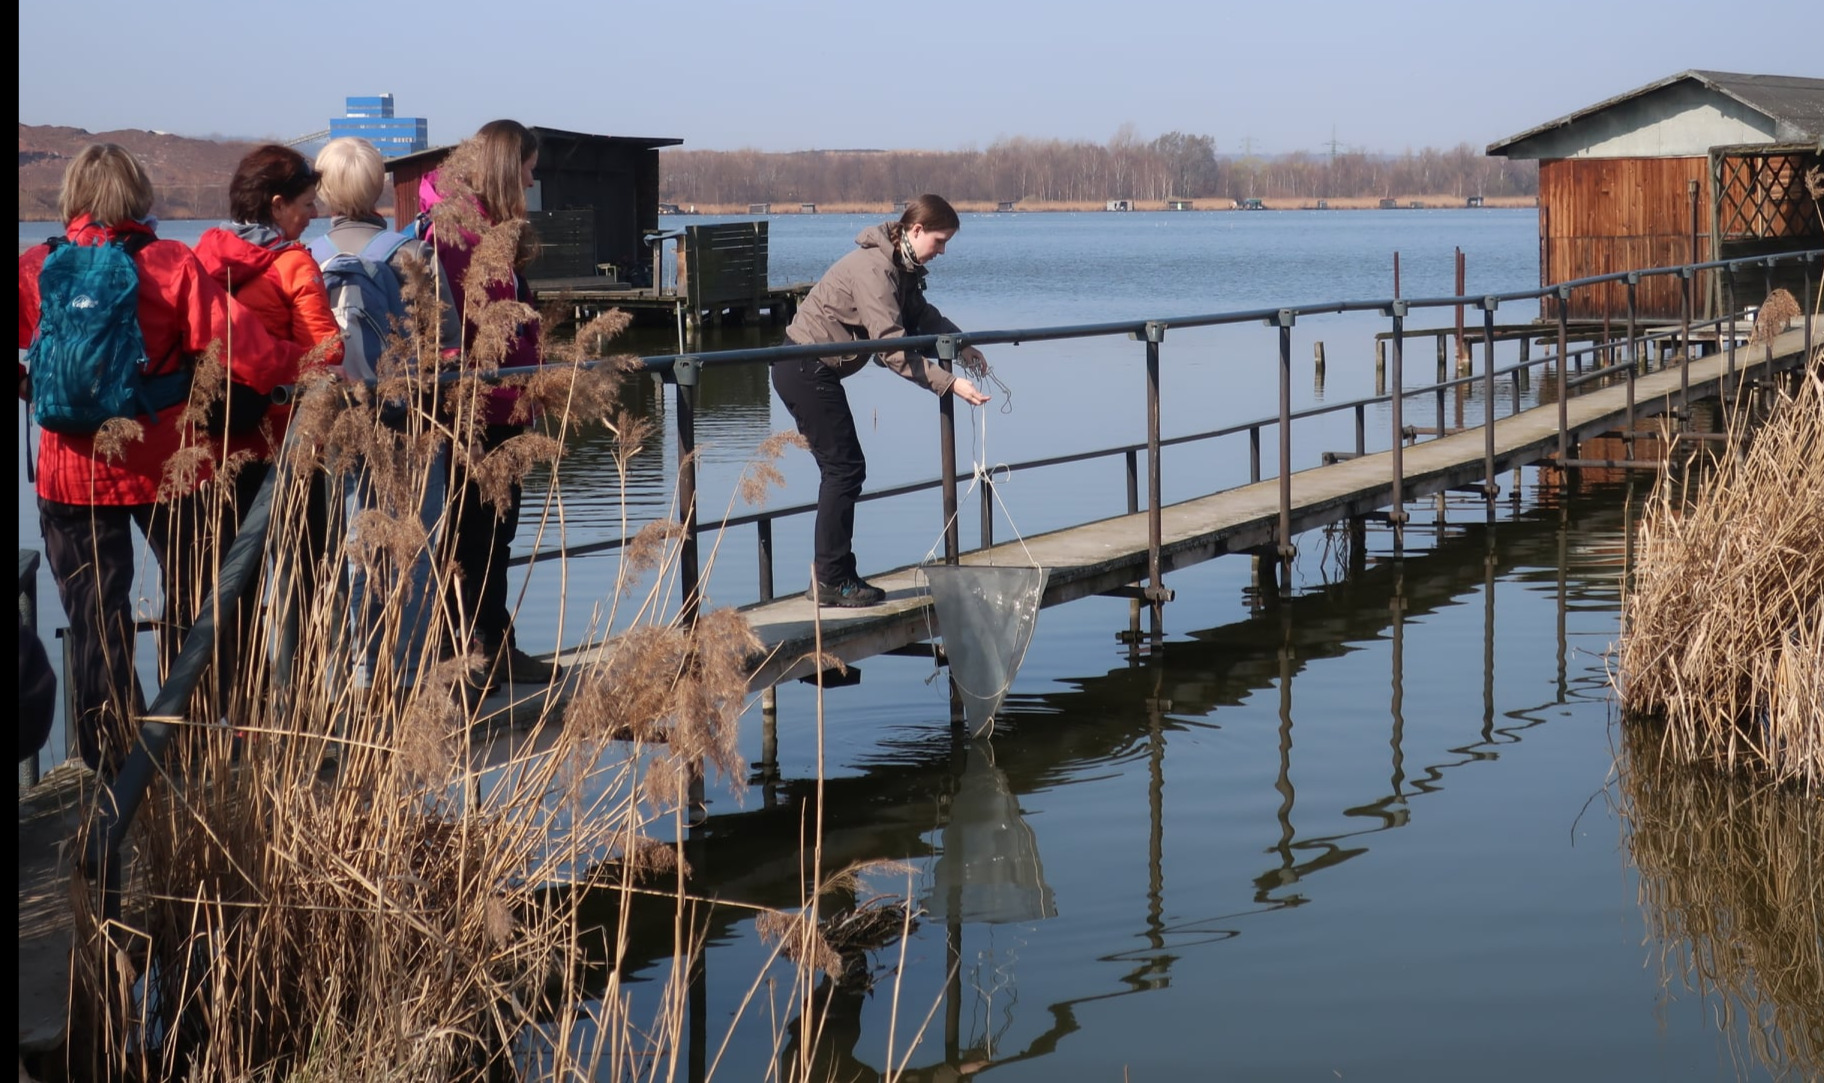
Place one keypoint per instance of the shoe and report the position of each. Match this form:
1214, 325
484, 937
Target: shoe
517, 667
851, 593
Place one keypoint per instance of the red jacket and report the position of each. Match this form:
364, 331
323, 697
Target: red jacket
283, 288
181, 311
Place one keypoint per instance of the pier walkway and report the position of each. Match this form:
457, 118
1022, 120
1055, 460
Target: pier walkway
1114, 553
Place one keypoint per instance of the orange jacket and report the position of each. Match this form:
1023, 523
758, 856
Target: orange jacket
181, 313
280, 284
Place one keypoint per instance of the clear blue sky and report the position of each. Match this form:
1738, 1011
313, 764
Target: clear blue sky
937, 74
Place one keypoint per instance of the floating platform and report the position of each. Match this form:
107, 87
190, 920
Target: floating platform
590, 295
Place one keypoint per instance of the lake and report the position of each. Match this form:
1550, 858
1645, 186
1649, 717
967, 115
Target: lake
1368, 832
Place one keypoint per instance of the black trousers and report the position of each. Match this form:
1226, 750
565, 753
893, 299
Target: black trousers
90, 551
308, 574
479, 537
813, 392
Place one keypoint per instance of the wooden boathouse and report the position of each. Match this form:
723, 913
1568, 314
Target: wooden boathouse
1698, 166
595, 206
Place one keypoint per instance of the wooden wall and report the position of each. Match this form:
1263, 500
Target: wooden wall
1602, 215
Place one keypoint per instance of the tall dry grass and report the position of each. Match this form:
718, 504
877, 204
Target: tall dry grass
330, 886
1729, 873
1723, 627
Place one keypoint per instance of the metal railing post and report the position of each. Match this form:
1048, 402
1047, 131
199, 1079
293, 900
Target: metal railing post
764, 542
1397, 515
685, 372
1729, 304
1285, 321
1155, 527
1489, 487
946, 440
1564, 334
987, 512
1684, 333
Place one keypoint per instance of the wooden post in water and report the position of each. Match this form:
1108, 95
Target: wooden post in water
1317, 359
1443, 356
1464, 365
1380, 366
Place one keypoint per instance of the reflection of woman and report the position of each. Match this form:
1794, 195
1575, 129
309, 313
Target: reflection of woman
91, 497
479, 534
874, 292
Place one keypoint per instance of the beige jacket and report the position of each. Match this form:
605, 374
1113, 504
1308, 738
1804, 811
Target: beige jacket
869, 295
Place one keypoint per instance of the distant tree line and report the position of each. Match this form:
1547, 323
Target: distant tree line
1176, 164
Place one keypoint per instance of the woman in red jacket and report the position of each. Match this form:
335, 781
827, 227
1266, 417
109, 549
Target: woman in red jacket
94, 489
258, 258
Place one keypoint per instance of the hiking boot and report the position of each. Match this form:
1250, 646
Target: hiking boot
515, 666
851, 593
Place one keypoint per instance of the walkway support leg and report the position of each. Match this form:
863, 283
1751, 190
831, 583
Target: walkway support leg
1285, 321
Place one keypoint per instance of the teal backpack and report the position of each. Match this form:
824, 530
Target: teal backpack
88, 360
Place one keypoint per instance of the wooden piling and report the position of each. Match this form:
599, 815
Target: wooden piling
1380, 366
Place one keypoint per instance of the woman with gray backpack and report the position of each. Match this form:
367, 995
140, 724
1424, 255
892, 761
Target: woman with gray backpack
365, 268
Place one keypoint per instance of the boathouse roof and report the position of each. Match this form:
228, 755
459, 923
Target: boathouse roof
1682, 115
545, 135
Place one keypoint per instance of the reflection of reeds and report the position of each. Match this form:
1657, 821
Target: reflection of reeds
1723, 636
1729, 885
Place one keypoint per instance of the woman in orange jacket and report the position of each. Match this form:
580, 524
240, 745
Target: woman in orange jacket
258, 258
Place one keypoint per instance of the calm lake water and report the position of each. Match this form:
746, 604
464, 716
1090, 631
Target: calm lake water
1367, 833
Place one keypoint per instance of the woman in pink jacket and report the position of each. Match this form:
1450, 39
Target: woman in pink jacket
478, 535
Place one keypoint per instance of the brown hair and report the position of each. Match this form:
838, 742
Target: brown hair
505, 146
267, 171
107, 183
353, 176
929, 211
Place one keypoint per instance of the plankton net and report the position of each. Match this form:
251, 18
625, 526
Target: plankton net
986, 613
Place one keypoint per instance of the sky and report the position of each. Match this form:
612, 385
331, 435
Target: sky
932, 75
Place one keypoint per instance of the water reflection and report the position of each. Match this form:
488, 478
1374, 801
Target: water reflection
1729, 884
956, 806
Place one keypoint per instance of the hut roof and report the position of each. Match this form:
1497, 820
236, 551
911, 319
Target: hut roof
1794, 104
545, 135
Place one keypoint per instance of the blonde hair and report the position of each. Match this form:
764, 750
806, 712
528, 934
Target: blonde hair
353, 176
107, 183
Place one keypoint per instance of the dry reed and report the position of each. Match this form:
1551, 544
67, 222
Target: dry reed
328, 887
1729, 873
1723, 627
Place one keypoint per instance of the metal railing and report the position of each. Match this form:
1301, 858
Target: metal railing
126, 791
683, 372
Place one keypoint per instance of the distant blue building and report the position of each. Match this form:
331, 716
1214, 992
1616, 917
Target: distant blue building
371, 118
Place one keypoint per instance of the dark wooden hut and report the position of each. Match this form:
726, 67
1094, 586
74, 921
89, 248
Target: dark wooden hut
594, 199
1697, 166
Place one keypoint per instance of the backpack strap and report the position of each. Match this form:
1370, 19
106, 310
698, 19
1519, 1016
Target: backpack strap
384, 243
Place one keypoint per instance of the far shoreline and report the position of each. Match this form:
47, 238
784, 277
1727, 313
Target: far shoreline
1023, 206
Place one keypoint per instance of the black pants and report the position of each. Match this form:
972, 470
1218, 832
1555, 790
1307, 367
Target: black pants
813, 392
307, 574
90, 551
478, 536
